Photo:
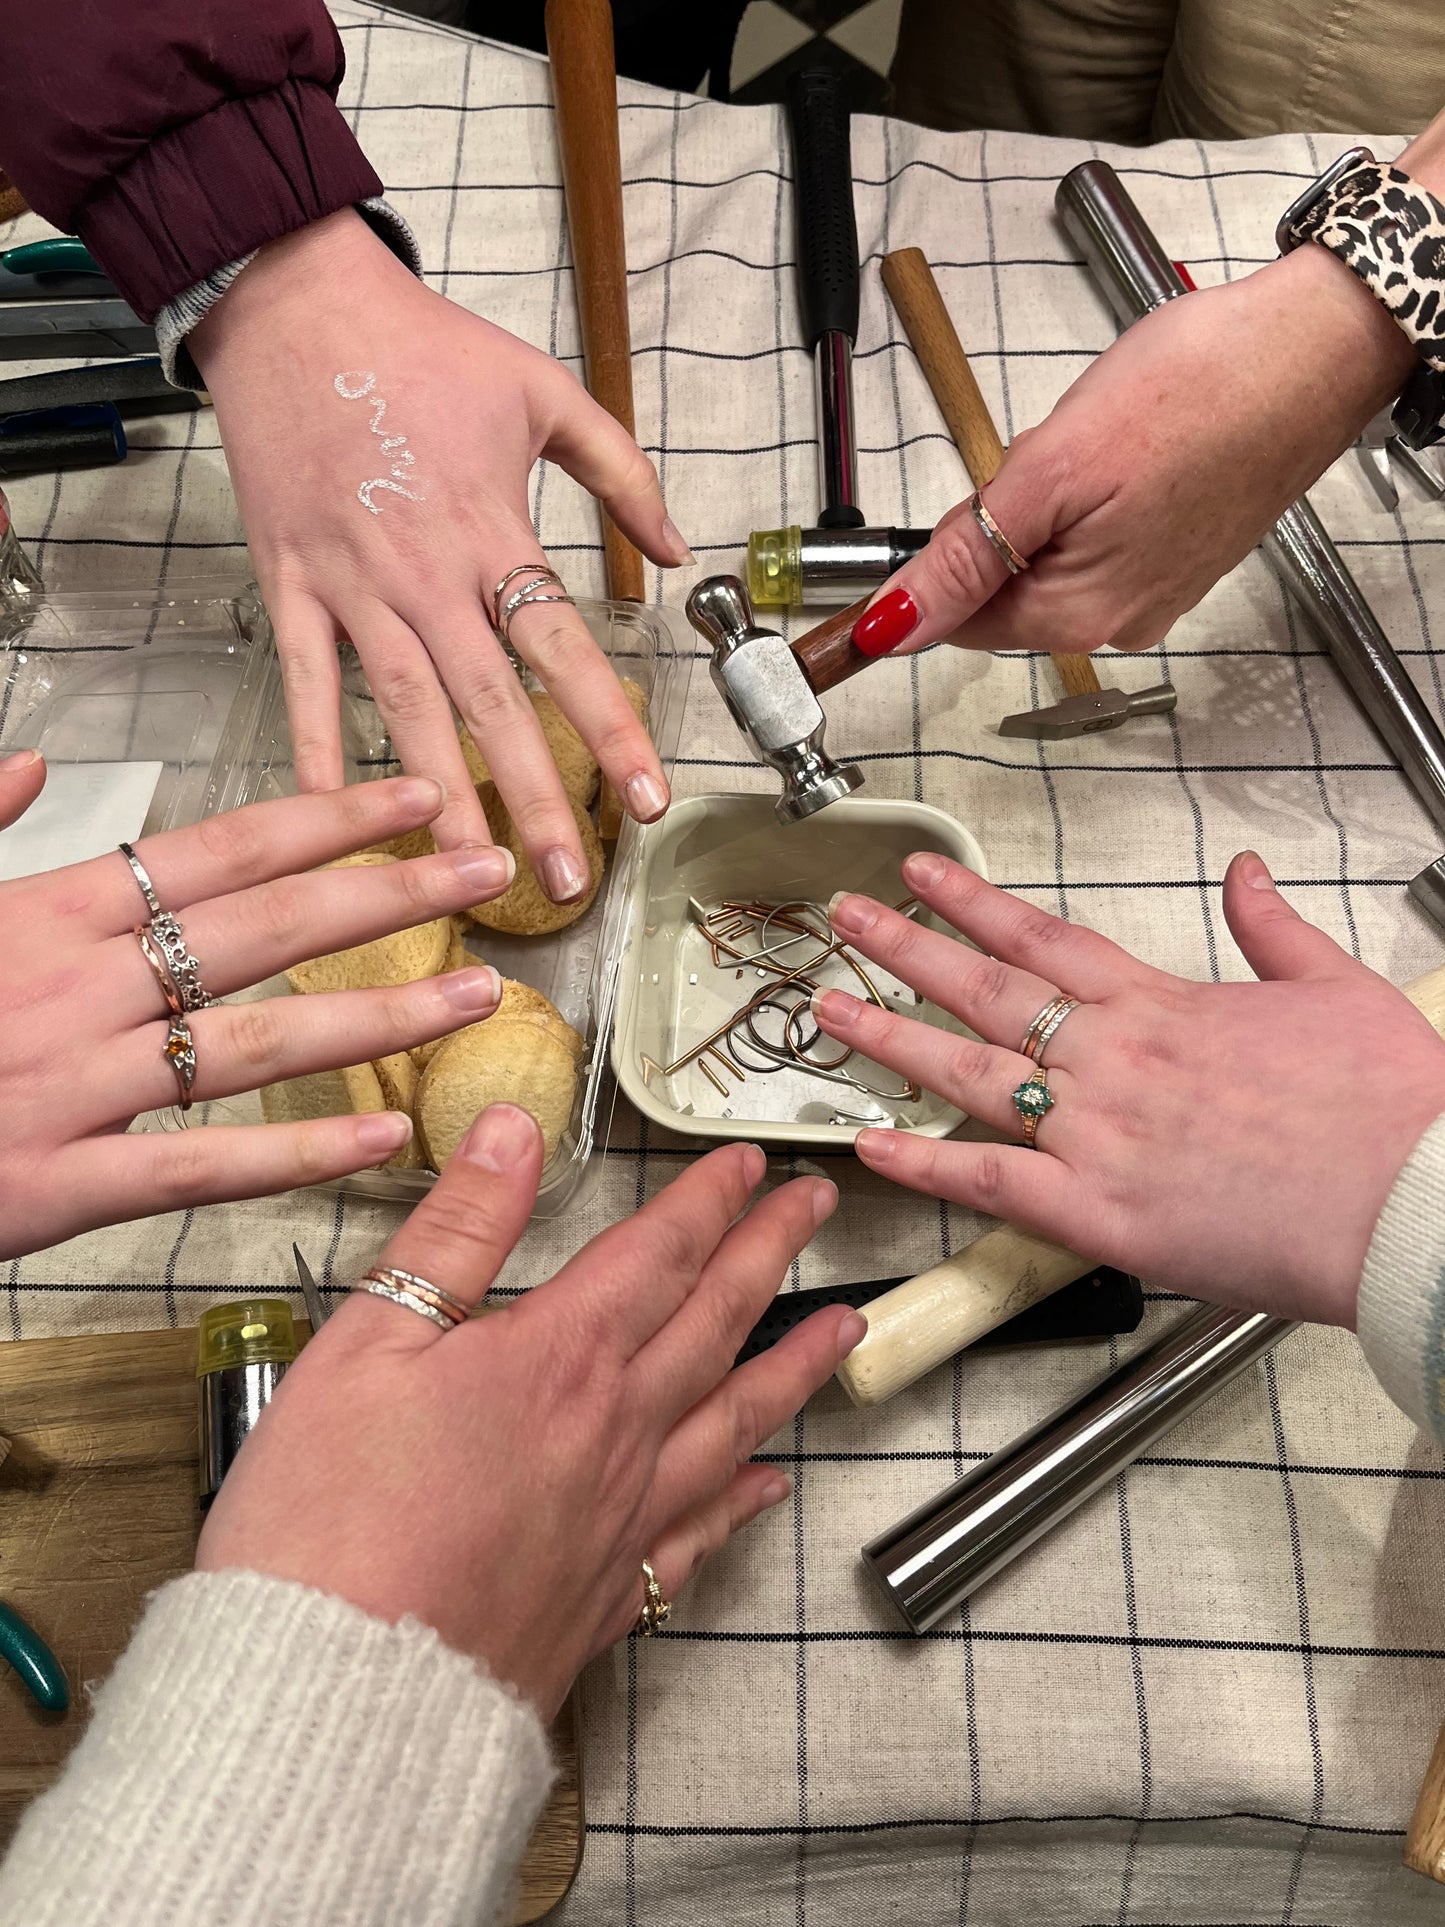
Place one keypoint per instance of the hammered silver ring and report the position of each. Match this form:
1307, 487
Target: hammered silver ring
184, 968
542, 578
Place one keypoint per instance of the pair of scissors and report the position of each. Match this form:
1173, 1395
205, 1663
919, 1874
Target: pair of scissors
317, 1309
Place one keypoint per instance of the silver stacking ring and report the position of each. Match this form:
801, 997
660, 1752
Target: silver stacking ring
1039, 1032
416, 1294
1013, 561
531, 591
184, 968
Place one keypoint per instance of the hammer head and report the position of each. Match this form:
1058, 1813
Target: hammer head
771, 700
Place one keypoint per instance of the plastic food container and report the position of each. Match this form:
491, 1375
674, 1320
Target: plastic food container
712, 850
577, 967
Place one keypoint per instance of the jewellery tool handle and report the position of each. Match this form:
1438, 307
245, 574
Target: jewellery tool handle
1102, 1304
584, 87
827, 244
918, 1325
929, 327
22, 1647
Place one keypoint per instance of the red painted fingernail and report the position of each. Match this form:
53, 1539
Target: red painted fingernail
884, 626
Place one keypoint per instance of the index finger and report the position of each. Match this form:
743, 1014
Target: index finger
462, 1232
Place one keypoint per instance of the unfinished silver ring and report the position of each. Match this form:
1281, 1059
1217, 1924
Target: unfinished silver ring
542, 578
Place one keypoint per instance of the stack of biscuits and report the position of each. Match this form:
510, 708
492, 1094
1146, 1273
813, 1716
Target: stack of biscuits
525, 1053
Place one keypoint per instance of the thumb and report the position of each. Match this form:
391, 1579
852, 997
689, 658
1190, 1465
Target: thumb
1274, 938
961, 569
22, 777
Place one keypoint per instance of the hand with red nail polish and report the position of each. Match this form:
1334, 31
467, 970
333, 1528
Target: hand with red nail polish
503, 1481
1234, 1141
84, 1022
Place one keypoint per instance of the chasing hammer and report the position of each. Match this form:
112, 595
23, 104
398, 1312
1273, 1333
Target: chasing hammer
1136, 276
920, 1324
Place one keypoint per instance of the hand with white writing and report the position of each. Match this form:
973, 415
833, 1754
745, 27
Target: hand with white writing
380, 439
84, 1024
1234, 1141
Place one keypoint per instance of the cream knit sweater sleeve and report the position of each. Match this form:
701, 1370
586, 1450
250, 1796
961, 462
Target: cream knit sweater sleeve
1401, 1312
264, 1753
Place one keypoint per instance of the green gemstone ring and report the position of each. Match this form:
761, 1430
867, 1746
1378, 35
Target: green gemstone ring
1031, 1100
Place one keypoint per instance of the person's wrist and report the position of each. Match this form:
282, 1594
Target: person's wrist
1346, 342
302, 270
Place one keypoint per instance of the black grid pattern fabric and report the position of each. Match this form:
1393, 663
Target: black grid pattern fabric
1210, 1696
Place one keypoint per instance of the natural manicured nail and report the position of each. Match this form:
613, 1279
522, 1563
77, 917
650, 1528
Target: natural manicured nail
676, 543
755, 1163
18, 760
848, 912
383, 1131
884, 626
834, 1008
1256, 872
825, 1200
564, 876
500, 1138
876, 1146
776, 1490
485, 867
646, 796
851, 1333
470, 992
924, 870
423, 794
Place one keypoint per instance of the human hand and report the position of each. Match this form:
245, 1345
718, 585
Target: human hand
82, 1028
1158, 470
503, 1482
443, 471
1233, 1141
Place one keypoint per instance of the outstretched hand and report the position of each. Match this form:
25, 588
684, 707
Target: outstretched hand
380, 440
1234, 1141
504, 1481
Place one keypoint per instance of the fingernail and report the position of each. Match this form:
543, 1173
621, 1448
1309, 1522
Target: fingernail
834, 1007
485, 868
755, 1163
924, 870
20, 759
423, 794
884, 626
564, 876
676, 543
500, 1138
825, 1200
646, 796
1256, 872
848, 912
776, 1489
851, 1333
472, 991
876, 1146
383, 1130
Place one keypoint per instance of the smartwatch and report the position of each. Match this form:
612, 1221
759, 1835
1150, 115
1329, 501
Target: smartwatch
1390, 233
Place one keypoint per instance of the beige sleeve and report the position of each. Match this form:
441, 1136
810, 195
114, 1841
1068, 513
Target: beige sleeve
1401, 1312
263, 1752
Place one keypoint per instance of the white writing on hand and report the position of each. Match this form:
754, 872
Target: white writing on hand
358, 384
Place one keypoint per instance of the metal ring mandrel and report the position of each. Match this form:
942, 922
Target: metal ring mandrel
770, 698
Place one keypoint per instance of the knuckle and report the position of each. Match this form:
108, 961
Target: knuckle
989, 1181
237, 841
677, 1248
403, 695
281, 914
957, 568
256, 1036
189, 1170
990, 985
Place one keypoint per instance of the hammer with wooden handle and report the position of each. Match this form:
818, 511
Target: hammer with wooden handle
919, 1324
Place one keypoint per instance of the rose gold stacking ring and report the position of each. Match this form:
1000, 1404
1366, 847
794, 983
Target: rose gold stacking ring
404, 1288
1013, 561
1039, 1032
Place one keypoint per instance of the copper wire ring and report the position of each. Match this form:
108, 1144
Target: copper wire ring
161, 969
416, 1294
1013, 561
1036, 1037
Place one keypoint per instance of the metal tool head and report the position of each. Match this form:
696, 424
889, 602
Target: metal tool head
1428, 890
317, 1309
770, 699
1082, 715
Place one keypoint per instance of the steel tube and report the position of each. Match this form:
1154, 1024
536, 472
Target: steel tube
931, 1561
837, 432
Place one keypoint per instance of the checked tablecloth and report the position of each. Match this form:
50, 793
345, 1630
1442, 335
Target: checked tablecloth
1210, 1697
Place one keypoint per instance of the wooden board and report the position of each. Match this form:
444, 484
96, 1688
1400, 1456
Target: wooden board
98, 1507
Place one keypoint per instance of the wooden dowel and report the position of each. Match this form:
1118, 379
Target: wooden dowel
929, 327
584, 86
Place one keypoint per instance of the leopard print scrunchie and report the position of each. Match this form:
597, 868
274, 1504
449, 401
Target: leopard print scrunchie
1377, 214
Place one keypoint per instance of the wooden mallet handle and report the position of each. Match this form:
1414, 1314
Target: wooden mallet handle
929, 326
584, 87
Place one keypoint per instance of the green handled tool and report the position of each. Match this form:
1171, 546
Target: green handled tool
28, 1653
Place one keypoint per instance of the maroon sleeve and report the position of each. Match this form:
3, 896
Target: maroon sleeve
175, 135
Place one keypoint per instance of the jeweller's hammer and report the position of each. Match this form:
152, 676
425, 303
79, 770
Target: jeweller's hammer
1136, 276
927, 323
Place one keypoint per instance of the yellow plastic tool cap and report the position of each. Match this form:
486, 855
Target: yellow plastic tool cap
250, 1331
775, 568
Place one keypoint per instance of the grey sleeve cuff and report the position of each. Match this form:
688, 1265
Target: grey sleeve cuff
264, 1752
177, 318
1401, 1311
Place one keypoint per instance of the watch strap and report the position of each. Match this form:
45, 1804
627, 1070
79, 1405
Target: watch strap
1390, 233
